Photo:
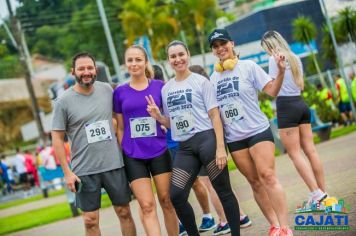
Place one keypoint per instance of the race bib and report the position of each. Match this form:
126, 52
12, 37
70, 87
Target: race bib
143, 127
232, 112
183, 123
98, 131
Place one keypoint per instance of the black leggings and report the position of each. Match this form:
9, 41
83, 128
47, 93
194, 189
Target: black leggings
192, 154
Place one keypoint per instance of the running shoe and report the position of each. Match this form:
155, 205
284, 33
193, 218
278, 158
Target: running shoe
182, 230
245, 222
207, 224
220, 230
274, 231
286, 232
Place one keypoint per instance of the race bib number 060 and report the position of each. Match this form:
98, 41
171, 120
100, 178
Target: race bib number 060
232, 112
183, 123
143, 127
98, 131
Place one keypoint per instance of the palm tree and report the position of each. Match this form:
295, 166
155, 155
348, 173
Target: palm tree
327, 46
148, 17
304, 31
346, 25
199, 12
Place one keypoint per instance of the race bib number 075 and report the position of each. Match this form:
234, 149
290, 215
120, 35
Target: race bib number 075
141, 127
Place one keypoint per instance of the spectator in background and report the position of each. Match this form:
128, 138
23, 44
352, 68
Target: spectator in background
343, 100
47, 158
19, 163
31, 169
4, 176
353, 85
325, 95
199, 70
158, 73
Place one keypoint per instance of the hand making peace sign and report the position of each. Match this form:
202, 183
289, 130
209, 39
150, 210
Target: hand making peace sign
152, 108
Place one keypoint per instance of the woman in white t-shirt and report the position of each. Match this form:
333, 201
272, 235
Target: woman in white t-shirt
293, 117
191, 111
247, 130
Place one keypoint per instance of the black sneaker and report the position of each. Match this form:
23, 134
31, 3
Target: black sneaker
245, 222
207, 224
220, 230
182, 230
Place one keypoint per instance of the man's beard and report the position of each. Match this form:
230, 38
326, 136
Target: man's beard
85, 85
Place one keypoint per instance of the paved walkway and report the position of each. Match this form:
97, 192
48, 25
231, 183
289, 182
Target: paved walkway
338, 157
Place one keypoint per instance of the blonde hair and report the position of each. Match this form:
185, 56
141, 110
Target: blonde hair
148, 70
273, 42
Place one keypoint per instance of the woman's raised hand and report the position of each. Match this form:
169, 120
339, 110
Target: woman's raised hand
280, 60
152, 108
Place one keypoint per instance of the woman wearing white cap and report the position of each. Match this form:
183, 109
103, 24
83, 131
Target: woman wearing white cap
247, 129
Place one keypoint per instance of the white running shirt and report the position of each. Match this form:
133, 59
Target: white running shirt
187, 103
289, 88
237, 95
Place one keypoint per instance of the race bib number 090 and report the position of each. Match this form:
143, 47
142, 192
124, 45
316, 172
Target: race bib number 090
143, 127
232, 112
183, 123
98, 131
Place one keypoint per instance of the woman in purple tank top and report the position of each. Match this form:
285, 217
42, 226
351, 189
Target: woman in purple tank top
143, 142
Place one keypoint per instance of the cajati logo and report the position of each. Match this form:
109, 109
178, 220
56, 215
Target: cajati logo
330, 214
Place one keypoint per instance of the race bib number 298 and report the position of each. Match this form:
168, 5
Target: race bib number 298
98, 131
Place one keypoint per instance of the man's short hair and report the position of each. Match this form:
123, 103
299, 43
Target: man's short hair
82, 55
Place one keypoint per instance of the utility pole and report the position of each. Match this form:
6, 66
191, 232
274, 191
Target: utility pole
338, 56
25, 60
112, 49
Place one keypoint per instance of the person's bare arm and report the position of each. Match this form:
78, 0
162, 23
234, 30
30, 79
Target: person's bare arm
120, 127
58, 145
221, 156
272, 88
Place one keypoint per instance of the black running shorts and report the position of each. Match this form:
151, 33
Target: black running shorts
292, 111
265, 135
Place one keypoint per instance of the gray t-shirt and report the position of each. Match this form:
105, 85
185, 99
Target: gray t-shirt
289, 87
87, 120
187, 103
237, 95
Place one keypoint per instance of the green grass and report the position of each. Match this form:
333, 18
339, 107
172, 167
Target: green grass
342, 131
30, 199
40, 216
34, 218
338, 132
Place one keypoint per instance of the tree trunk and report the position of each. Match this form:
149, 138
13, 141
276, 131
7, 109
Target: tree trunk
316, 64
201, 43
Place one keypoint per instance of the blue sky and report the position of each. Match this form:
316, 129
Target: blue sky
3, 8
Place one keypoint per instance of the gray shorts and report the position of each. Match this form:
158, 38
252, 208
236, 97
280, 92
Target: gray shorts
115, 184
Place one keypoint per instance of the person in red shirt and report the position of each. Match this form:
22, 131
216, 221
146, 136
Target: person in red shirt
31, 169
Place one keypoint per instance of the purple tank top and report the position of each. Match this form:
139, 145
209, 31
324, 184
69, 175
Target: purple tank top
131, 103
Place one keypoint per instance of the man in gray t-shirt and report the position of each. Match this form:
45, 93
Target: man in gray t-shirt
84, 114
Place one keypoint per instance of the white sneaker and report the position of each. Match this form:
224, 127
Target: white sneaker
319, 196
